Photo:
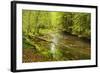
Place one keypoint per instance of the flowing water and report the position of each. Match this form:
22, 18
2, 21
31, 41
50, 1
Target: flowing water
61, 48
53, 44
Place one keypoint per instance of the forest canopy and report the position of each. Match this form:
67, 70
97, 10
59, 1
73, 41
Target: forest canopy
42, 22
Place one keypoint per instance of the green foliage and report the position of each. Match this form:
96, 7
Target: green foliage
38, 27
45, 22
81, 24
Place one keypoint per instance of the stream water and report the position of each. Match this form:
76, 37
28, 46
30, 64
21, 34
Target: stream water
69, 46
53, 44
61, 48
